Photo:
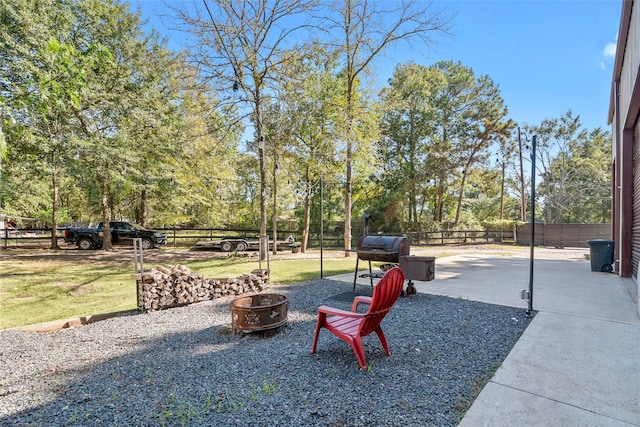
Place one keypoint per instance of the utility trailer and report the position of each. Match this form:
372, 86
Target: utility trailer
241, 244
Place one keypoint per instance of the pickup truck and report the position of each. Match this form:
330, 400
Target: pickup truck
122, 233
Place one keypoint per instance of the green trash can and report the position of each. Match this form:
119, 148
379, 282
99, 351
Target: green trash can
601, 255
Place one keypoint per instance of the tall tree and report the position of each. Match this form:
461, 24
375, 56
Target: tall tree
591, 185
407, 124
469, 116
46, 77
277, 134
241, 46
438, 126
485, 123
109, 151
311, 101
573, 164
206, 170
363, 30
554, 140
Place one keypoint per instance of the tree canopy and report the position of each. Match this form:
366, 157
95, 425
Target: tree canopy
100, 120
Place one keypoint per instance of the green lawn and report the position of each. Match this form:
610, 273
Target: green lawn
40, 289
40, 285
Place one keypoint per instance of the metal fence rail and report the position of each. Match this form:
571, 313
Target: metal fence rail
552, 235
189, 236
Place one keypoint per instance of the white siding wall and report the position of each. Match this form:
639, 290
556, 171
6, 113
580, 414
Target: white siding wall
631, 62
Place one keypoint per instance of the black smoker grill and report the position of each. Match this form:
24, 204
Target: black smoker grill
380, 248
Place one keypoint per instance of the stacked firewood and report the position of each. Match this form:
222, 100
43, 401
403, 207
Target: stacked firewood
164, 287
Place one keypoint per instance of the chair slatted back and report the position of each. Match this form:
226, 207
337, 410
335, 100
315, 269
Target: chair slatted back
385, 295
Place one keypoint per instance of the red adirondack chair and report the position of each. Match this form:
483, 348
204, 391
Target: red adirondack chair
351, 326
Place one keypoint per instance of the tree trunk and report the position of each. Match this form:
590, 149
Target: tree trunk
274, 216
264, 245
143, 214
347, 204
106, 218
307, 211
413, 211
459, 204
348, 177
460, 195
440, 202
413, 199
462, 185
54, 209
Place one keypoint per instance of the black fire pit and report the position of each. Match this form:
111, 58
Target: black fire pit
260, 312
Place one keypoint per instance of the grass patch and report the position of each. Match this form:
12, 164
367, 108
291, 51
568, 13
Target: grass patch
34, 292
41, 285
283, 271
36, 289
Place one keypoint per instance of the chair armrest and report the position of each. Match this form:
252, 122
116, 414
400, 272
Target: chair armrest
360, 299
338, 312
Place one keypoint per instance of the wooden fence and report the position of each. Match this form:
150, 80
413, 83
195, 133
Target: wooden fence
563, 235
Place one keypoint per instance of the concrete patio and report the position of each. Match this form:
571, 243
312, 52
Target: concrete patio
578, 362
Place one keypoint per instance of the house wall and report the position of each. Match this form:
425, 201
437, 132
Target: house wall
624, 109
629, 72
623, 113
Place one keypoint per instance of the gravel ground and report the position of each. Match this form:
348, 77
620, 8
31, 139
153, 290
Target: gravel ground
183, 367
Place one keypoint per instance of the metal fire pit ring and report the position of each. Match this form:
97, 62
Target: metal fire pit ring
259, 312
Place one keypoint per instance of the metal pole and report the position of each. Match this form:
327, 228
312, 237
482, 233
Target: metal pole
523, 205
533, 222
321, 227
502, 197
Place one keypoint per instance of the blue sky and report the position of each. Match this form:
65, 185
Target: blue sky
546, 56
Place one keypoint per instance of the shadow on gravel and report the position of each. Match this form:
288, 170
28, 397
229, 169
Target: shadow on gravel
183, 367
